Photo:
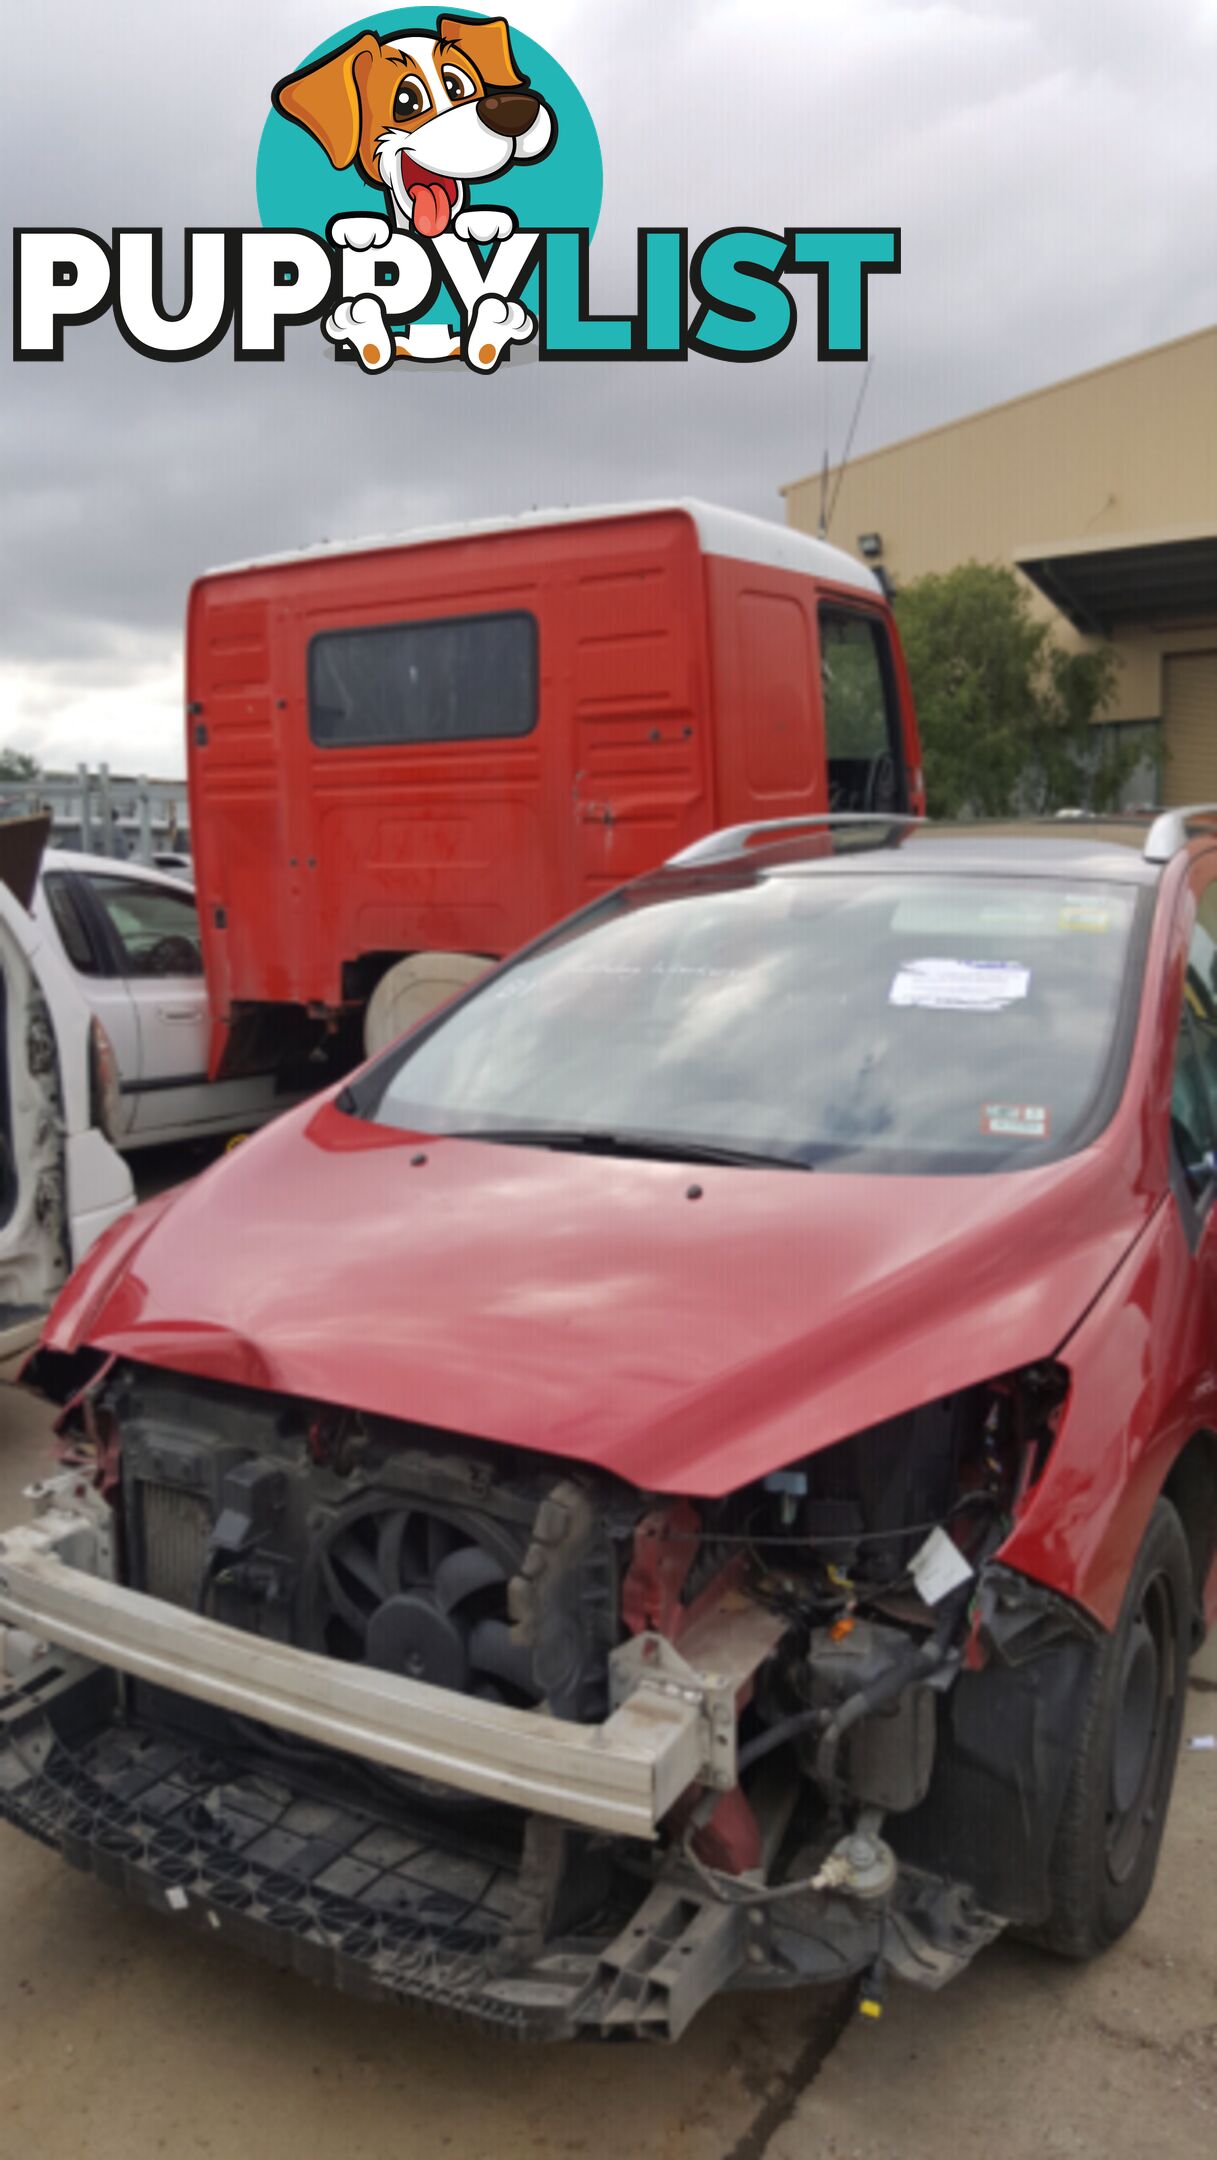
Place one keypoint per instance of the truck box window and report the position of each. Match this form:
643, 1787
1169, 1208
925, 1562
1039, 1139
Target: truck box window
455, 680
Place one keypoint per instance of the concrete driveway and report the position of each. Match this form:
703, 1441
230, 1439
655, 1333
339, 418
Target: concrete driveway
125, 2040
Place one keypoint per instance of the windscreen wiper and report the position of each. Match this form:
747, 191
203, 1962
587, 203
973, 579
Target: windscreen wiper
643, 1146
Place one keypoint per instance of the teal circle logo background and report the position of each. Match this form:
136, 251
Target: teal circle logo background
297, 185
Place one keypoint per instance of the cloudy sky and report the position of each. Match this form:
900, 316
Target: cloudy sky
1052, 163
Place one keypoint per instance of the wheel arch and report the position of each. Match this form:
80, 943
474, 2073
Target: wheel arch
1191, 1488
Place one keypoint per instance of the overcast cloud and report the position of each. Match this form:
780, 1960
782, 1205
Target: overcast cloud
1053, 165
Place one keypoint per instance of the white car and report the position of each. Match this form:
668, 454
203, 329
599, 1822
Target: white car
131, 937
61, 1181
178, 866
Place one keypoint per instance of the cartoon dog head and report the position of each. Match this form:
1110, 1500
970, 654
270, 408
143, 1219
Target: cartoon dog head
422, 116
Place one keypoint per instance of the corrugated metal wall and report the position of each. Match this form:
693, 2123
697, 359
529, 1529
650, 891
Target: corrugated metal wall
1189, 728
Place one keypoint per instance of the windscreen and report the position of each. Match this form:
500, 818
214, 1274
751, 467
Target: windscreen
856, 1020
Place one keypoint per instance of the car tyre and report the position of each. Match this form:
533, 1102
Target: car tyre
1107, 1842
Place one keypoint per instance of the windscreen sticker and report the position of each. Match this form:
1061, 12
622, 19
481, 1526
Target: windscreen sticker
1085, 915
960, 985
1016, 1121
1009, 915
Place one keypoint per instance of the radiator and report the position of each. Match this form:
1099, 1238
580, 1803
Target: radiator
175, 1527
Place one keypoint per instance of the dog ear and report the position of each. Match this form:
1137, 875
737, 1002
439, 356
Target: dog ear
488, 45
325, 99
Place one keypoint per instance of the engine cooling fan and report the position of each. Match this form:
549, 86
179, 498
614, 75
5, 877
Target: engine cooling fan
413, 1589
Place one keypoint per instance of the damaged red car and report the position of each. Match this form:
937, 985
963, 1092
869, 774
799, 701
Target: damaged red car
696, 1469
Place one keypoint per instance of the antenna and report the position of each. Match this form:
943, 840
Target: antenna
825, 521
822, 527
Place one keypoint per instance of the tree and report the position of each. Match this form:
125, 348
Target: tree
18, 765
1006, 713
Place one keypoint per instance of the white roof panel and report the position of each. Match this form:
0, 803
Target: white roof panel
722, 532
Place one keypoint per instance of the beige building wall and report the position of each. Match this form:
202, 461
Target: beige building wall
1128, 449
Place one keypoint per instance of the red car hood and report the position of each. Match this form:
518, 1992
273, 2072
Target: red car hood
589, 1307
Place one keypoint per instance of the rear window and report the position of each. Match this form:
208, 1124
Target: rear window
464, 679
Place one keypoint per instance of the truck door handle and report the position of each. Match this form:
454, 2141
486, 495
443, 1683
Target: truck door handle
176, 1012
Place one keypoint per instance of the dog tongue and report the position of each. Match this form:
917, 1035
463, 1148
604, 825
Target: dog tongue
434, 197
432, 208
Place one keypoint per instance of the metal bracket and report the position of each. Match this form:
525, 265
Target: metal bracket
649, 1665
712, 1670
71, 1523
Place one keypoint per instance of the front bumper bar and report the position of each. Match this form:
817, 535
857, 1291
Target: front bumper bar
225, 1829
384, 1901
621, 1776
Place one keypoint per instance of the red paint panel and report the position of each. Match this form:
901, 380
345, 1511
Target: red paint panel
677, 691
316, 856
693, 1350
779, 716
776, 1317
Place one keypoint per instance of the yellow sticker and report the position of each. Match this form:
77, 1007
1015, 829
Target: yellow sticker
1085, 915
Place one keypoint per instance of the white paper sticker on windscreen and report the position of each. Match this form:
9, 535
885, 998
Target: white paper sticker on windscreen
960, 985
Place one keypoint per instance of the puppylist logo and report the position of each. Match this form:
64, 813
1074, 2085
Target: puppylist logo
429, 188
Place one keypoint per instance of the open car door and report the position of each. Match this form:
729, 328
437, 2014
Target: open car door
61, 1181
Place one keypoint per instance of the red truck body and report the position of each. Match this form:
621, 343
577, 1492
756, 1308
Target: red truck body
444, 744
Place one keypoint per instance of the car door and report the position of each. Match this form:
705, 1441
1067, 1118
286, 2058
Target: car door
63, 909
152, 930
1194, 1092
61, 1182
33, 1241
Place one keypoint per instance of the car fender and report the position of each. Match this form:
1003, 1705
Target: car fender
72, 1314
1142, 1382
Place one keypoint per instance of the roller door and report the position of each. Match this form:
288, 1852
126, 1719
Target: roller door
1189, 728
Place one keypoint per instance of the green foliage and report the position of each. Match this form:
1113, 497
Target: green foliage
1006, 713
18, 765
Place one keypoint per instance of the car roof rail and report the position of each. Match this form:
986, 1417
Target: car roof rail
737, 839
1170, 833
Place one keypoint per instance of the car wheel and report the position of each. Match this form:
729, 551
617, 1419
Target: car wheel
1107, 1842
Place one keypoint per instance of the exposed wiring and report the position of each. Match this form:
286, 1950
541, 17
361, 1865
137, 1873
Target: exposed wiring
918, 1666
732, 1890
849, 1540
776, 1736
